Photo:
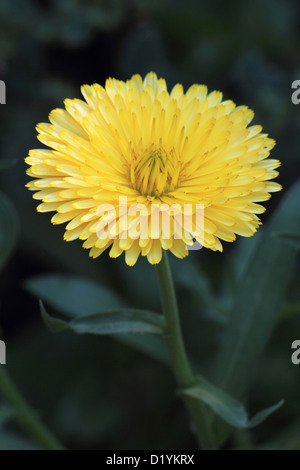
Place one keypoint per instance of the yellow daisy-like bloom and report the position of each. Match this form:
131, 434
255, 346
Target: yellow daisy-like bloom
136, 140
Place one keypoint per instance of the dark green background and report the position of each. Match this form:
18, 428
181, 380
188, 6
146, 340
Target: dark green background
95, 392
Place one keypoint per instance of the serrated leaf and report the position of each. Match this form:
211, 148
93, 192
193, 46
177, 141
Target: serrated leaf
8, 228
108, 323
225, 406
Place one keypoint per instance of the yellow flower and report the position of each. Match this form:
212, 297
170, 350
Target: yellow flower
137, 141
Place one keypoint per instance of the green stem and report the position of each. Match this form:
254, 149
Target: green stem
181, 366
26, 418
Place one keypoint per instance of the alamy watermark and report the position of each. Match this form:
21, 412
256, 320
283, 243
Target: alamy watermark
2, 353
296, 94
2, 92
296, 354
2, 344
152, 221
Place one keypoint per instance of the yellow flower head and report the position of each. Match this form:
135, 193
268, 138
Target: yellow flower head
132, 153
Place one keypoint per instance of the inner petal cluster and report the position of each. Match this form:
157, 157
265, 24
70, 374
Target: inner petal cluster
153, 173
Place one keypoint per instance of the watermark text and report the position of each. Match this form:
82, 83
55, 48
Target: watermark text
2, 92
152, 221
296, 94
2, 353
296, 354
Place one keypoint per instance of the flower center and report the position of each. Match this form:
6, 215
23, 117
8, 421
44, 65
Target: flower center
155, 172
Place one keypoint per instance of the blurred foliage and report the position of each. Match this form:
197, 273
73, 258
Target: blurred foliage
239, 308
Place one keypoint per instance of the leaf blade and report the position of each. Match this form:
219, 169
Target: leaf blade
73, 295
150, 344
264, 414
257, 301
108, 323
227, 407
291, 238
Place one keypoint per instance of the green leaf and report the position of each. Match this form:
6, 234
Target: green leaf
6, 414
55, 325
9, 227
108, 323
292, 238
151, 345
225, 406
260, 293
192, 278
287, 437
264, 414
10, 441
228, 408
73, 295
235, 266
289, 311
